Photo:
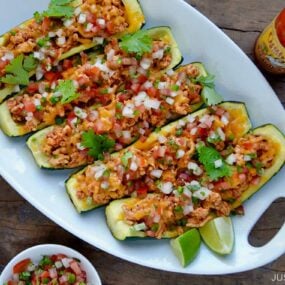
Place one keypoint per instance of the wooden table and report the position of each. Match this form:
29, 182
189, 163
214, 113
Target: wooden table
21, 225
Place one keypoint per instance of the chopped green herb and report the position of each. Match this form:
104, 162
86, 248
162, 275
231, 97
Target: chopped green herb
210, 96
179, 132
43, 41
178, 209
39, 107
168, 49
30, 63
59, 8
45, 280
195, 200
16, 72
208, 80
157, 129
173, 144
54, 99
71, 278
231, 137
125, 158
67, 90
208, 156
38, 17
136, 112
104, 91
97, 144
239, 169
180, 189
107, 173
25, 276
119, 105
45, 261
138, 43
175, 87
13, 33
154, 227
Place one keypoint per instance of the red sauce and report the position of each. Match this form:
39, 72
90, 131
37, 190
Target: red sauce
280, 27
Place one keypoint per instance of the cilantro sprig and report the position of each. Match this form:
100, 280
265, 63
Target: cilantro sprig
138, 43
208, 156
97, 144
56, 9
209, 94
18, 70
67, 90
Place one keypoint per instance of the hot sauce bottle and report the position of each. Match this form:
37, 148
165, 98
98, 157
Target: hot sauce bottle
270, 46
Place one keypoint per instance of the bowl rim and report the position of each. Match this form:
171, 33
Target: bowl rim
35, 251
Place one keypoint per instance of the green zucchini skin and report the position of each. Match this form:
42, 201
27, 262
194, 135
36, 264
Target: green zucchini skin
12, 129
277, 137
35, 141
136, 20
83, 205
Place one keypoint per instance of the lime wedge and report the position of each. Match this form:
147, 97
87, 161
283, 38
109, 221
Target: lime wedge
218, 235
186, 246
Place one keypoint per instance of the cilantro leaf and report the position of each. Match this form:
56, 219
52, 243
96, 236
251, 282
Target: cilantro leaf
208, 156
97, 144
210, 96
138, 43
16, 72
67, 90
125, 158
30, 63
59, 8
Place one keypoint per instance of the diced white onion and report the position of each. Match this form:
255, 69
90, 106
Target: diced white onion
98, 40
141, 131
202, 193
58, 264
166, 187
224, 120
52, 273
156, 173
173, 94
77, 11
162, 85
247, 157
82, 18
80, 113
16, 88
59, 32
31, 267
133, 166
67, 23
187, 192
193, 131
126, 134
89, 27
80, 146
162, 139
218, 163
221, 134
195, 168
7, 56
169, 101
39, 73
60, 41
128, 110
147, 85
101, 23
190, 118
37, 102
66, 262
51, 34
99, 170
145, 63
180, 153
93, 115
158, 54
188, 209
105, 185
231, 159
110, 54
156, 218
152, 104
39, 55
170, 72
140, 98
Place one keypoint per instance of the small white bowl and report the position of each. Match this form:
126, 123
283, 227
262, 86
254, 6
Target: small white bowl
36, 253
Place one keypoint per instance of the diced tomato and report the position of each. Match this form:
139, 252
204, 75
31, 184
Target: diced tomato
222, 185
67, 63
33, 87
3, 63
280, 27
202, 132
142, 191
83, 79
71, 116
75, 267
93, 72
21, 266
45, 274
152, 92
46, 24
11, 282
247, 145
110, 27
122, 97
57, 257
52, 76
142, 79
30, 106
136, 87
91, 18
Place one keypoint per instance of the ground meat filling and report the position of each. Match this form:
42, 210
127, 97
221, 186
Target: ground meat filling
126, 120
97, 82
92, 21
185, 195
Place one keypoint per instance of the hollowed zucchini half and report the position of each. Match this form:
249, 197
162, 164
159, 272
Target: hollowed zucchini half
135, 19
13, 129
240, 126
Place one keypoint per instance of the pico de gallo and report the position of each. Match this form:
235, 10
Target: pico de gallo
195, 171
94, 82
55, 269
135, 112
39, 43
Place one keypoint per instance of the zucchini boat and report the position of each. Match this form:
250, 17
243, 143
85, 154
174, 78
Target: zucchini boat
20, 115
120, 123
86, 192
60, 32
155, 216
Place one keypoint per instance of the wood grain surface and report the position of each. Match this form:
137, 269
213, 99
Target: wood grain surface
21, 225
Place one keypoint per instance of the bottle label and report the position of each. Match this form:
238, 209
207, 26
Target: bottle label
269, 51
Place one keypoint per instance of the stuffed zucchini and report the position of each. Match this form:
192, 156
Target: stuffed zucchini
91, 132
95, 82
255, 158
142, 167
66, 28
